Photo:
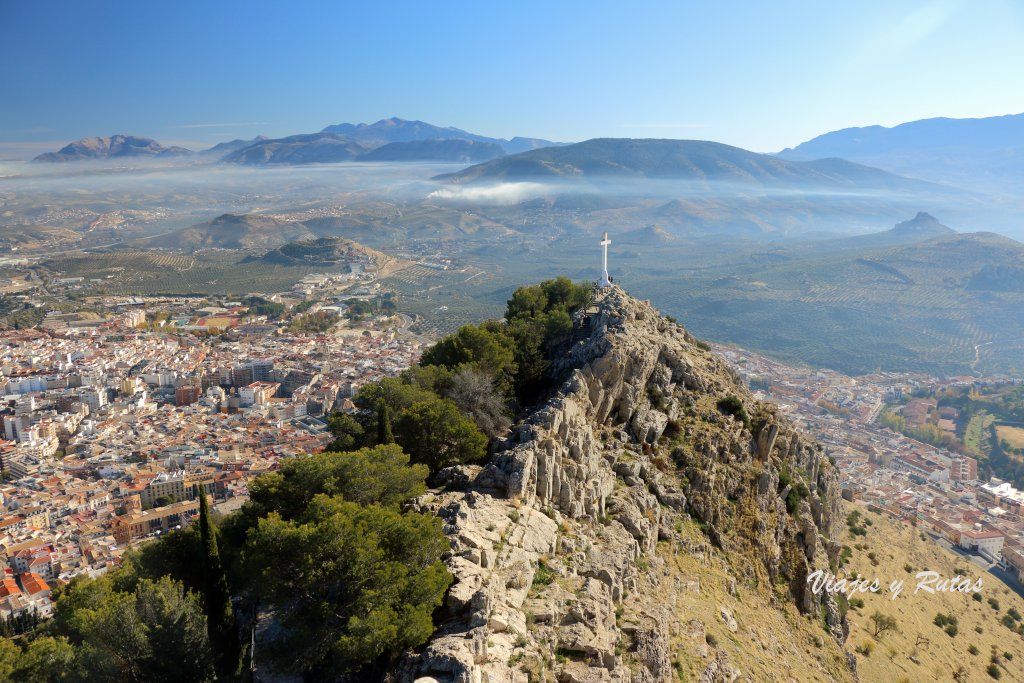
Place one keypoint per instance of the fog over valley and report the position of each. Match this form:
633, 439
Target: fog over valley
667, 332
721, 236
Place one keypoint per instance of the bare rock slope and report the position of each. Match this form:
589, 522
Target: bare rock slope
567, 548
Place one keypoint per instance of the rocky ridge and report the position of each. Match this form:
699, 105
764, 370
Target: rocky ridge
563, 546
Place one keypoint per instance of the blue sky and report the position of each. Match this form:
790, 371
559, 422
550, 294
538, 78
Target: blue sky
761, 75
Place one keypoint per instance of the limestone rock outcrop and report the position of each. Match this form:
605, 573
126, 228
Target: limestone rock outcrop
555, 543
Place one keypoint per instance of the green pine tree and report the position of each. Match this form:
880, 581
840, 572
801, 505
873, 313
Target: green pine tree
220, 616
384, 435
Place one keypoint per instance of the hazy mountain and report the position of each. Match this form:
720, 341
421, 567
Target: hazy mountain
678, 159
652, 234
230, 231
921, 227
340, 142
464, 151
223, 148
321, 252
387, 140
520, 144
112, 147
400, 130
298, 149
977, 153
923, 224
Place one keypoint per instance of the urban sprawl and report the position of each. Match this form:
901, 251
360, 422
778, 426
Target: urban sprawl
937, 492
114, 424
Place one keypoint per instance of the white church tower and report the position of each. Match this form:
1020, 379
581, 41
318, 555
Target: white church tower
605, 281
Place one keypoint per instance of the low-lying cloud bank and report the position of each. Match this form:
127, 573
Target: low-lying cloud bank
501, 193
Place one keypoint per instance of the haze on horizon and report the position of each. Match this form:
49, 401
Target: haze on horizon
759, 77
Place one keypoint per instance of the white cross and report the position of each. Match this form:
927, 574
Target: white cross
605, 280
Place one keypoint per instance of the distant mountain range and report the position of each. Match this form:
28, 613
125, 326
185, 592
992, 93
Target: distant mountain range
400, 130
386, 140
680, 160
979, 153
221, 149
984, 154
325, 148
462, 151
311, 148
112, 147
405, 140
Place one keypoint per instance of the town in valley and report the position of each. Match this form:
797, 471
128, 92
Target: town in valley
114, 424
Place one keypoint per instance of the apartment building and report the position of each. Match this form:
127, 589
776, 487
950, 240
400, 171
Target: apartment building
136, 525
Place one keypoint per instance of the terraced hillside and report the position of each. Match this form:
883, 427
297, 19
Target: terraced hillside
157, 272
912, 307
910, 302
917, 297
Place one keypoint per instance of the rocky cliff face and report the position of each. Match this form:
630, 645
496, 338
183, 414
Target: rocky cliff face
563, 547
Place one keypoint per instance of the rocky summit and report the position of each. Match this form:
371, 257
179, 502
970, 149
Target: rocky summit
570, 549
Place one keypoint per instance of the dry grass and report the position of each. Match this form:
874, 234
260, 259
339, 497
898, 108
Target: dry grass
773, 640
896, 547
1011, 435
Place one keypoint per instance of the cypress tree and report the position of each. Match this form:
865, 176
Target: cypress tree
384, 435
220, 616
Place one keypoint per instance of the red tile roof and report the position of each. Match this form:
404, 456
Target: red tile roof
33, 583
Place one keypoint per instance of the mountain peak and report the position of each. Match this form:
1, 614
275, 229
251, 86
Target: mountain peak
556, 541
225, 148
697, 160
111, 147
979, 153
395, 129
252, 232
923, 223
651, 234
298, 149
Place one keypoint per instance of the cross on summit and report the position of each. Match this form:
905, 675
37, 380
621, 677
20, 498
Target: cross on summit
605, 281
